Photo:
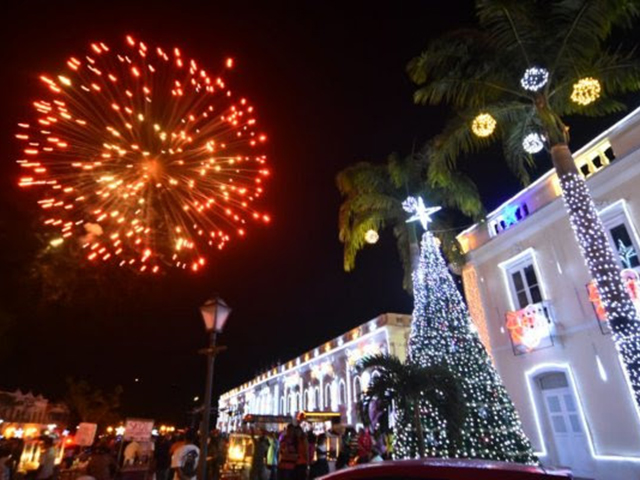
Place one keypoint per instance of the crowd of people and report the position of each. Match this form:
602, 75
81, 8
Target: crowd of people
291, 454
297, 455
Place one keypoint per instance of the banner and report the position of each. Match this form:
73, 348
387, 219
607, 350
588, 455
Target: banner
86, 434
138, 429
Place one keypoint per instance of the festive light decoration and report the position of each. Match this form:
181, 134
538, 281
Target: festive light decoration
420, 212
322, 370
631, 281
371, 237
483, 125
528, 328
626, 254
533, 143
534, 78
144, 157
605, 270
362, 351
442, 334
586, 91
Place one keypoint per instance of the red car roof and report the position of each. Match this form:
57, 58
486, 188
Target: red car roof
448, 469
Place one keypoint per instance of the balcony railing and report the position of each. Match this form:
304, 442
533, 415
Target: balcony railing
530, 328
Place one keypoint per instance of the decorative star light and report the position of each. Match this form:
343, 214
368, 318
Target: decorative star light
420, 211
626, 254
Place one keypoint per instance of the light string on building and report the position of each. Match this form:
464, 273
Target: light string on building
442, 334
606, 272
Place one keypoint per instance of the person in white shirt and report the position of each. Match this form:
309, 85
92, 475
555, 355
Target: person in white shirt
185, 459
47, 460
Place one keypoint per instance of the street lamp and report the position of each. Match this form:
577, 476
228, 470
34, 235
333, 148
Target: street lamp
214, 314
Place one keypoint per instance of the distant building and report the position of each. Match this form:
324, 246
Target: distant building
17, 407
539, 314
321, 380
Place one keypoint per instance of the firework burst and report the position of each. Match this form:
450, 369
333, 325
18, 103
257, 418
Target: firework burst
143, 157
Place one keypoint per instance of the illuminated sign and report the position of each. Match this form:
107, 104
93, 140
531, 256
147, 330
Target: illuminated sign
529, 328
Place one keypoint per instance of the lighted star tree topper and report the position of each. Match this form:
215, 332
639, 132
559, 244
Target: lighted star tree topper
143, 157
442, 333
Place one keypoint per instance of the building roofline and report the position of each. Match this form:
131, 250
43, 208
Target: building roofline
375, 325
546, 176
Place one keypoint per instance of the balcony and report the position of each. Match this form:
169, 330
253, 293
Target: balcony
631, 279
530, 328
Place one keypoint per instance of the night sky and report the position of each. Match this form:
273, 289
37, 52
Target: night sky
329, 85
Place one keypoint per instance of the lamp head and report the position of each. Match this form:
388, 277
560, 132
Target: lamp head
215, 312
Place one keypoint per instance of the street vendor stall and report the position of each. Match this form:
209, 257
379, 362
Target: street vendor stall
31, 434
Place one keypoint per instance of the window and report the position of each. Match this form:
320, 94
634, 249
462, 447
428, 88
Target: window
357, 388
624, 246
525, 286
621, 233
327, 396
523, 280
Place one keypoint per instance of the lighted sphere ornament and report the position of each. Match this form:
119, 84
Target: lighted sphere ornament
586, 91
483, 125
371, 237
143, 157
533, 143
534, 78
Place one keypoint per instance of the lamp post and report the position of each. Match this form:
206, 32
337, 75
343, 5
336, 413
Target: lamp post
214, 314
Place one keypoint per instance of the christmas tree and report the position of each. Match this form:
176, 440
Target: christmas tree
442, 333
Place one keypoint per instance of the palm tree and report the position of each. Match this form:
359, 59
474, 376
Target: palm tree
406, 386
481, 71
372, 200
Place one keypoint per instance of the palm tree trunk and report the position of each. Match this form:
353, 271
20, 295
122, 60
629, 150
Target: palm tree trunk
601, 262
417, 421
414, 247
414, 251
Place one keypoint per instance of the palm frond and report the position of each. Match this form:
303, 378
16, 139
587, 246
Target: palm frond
583, 26
407, 384
511, 23
460, 70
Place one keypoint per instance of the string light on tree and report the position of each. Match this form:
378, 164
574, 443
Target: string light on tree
534, 78
483, 125
533, 143
371, 237
586, 91
620, 309
442, 334
143, 157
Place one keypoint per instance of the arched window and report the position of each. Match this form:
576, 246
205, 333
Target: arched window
292, 403
327, 396
316, 402
357, 388
342, 392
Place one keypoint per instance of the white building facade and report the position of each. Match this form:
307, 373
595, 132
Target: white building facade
538, 312
321, 380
